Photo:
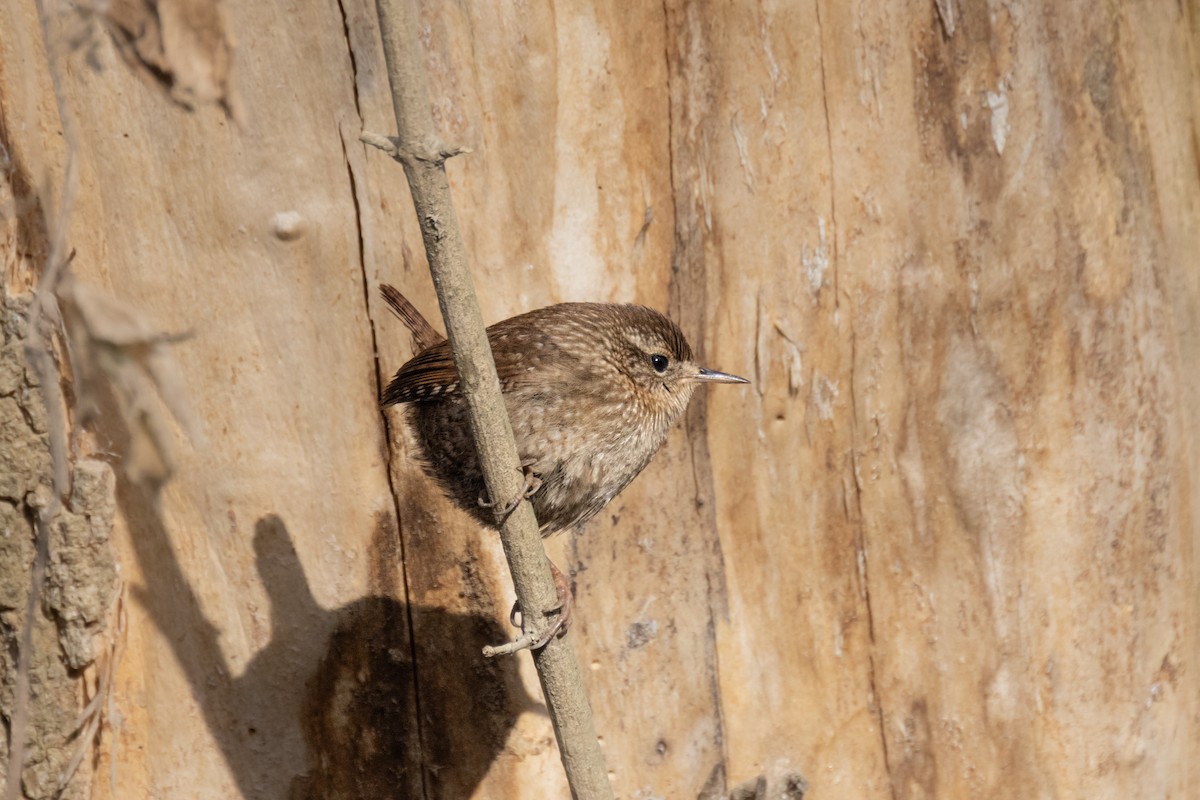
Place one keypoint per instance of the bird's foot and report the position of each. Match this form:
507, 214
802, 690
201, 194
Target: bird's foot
561, 613
533, 482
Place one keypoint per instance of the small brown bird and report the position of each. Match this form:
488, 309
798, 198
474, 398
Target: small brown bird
592, 390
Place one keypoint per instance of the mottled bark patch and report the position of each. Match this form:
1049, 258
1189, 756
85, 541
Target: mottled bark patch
80, 578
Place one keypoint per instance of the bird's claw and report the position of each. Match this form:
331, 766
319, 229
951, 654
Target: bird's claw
561, 613
533, 482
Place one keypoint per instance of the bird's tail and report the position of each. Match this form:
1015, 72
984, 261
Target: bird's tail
424, 335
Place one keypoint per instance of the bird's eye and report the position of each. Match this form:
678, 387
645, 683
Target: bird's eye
659, 362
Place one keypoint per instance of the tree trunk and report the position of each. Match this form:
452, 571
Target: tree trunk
944, 545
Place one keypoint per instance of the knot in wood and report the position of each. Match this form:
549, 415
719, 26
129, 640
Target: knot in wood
434, 226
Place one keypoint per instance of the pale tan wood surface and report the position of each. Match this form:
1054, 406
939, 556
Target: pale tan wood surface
944, 545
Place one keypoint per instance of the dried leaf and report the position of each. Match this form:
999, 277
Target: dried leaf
182, 45
113, 343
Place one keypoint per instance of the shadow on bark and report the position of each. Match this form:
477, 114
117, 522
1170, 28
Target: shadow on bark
339, 703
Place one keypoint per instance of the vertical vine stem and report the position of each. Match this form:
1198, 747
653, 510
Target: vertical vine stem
418, 148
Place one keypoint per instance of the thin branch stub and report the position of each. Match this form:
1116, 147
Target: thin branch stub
530, 640
391, 146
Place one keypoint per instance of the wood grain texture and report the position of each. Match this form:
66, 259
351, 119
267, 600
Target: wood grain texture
944, 545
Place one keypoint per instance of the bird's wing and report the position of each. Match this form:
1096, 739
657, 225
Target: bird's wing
517, 347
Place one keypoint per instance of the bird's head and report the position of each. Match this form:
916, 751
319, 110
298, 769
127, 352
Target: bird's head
653, 354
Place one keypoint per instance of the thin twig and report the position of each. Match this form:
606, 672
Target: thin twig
379, 143
92, 714
522, 642
418, 148
392, 148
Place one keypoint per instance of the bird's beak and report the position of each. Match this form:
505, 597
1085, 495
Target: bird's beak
712, 376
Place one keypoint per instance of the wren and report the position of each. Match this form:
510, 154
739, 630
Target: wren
592, 389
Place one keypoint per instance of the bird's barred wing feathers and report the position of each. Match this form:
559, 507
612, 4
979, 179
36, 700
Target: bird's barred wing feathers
516, 346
